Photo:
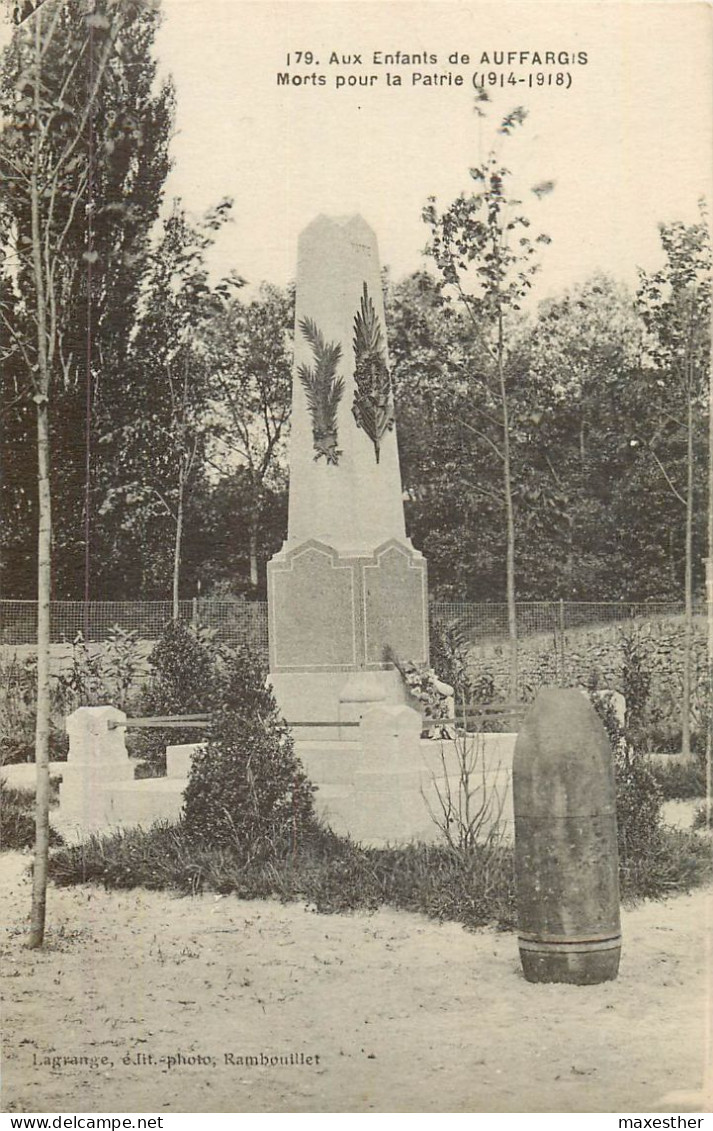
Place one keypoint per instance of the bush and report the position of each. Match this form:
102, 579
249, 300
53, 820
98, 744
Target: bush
18, 696
247, 788
677, 861
17, 819
187, 678
703, 817
18, 700
680, 781
638, 796
107, 673
636, 686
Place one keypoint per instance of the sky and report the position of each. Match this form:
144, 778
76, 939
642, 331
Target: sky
627, 138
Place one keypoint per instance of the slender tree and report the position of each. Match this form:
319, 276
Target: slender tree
53, 76
123, 152
250, 361
155, 446
481, 248
675, 304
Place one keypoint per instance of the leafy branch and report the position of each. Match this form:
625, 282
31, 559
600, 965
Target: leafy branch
323, 389
372, 408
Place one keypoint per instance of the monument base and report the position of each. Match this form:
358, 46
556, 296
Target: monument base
334, 697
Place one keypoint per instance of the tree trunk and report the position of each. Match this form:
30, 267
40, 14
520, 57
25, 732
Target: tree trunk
44, 549
709, 598
42, 726
178, 541
252, 545
688, 595
510, 523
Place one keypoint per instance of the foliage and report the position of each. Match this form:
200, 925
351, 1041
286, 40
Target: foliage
679, 780
373, 403
636, 685
154, 449
108, 673
326, 872
677, 861
449, 655
17, 821
187, 677
103, 130
323, 390
247, 789
638, 800
18, 705
421, 682
334, 875
18, 693
484, 254
249, 351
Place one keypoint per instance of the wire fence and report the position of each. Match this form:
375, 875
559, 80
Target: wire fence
487, 623
234, 622
245, 622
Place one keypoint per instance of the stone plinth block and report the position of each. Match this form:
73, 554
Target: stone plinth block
390, 735
388, 786
97, 756
180, 758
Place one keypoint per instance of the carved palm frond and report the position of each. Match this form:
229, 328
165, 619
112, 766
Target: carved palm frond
323, 390
372, 407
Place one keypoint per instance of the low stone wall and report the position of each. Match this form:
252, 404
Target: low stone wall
385, 786
390, 786
598, 652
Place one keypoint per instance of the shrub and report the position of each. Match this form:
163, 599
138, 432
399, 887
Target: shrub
18, 699
17, 819
247, 789
677, 861
107, 673
638, 795
449, 657
680, 781
187, 677
18, 695
636, 686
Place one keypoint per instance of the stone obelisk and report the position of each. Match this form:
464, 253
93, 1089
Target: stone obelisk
347, 590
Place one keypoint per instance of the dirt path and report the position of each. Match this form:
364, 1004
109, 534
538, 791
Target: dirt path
396, 1012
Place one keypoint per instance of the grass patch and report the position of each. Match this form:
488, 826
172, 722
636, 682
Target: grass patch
331, 874
327, 872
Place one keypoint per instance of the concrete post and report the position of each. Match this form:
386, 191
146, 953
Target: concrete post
97, 756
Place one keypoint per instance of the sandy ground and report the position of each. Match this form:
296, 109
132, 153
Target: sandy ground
398, 1014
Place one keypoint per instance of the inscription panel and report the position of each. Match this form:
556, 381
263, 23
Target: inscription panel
312, 612
395, 613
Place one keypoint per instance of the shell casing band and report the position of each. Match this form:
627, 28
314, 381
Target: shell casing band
569, 946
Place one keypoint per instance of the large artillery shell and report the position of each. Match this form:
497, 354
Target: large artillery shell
566, 861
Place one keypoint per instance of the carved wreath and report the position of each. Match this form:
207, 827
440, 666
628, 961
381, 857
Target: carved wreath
323, 389
372, 408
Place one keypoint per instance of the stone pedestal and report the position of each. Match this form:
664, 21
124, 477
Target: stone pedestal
97, 757
347, 588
